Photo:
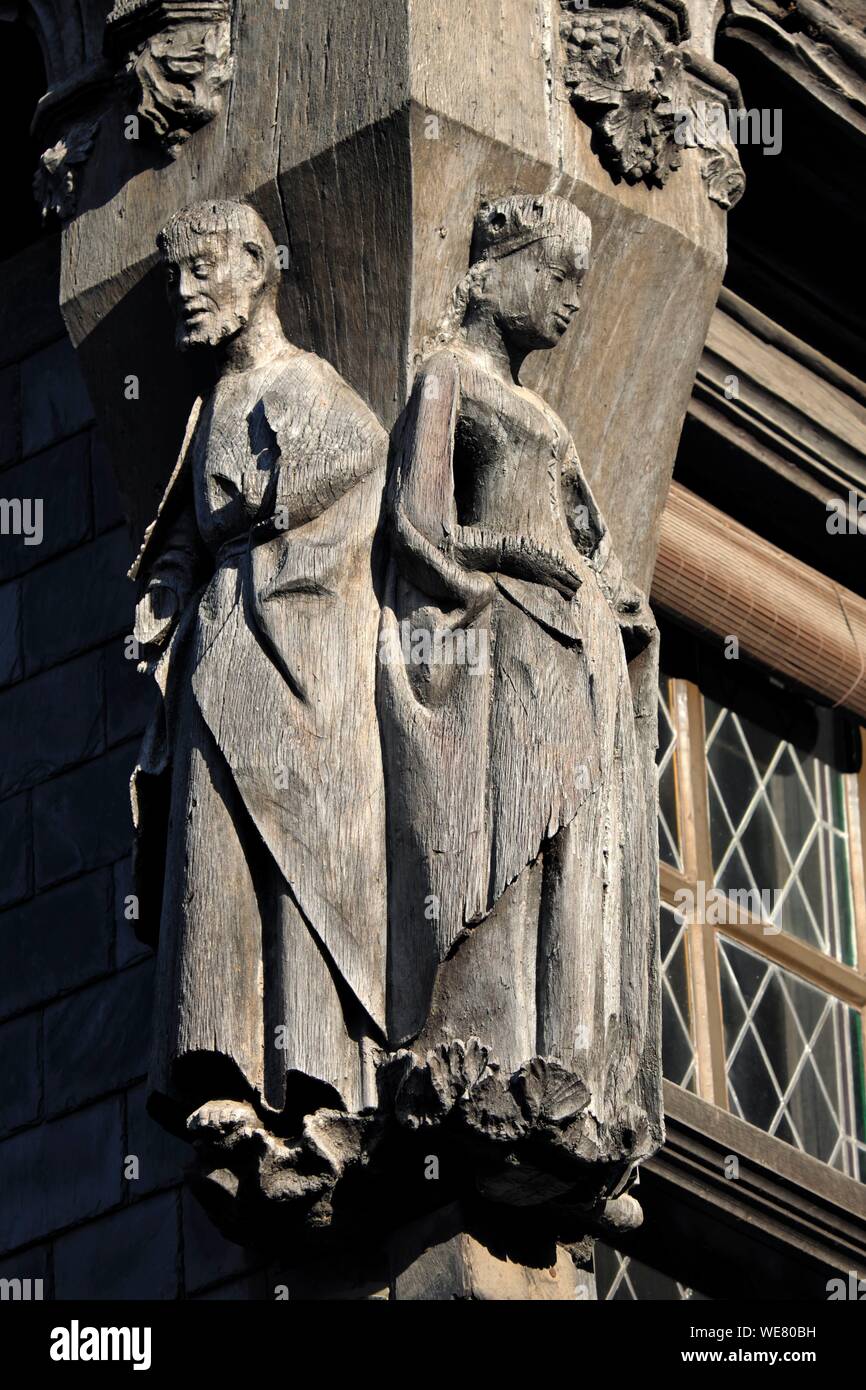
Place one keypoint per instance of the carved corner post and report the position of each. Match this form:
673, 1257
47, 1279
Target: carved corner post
385, 146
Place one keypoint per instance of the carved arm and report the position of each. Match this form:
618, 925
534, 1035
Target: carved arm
421, 496
304, 480
170, 581
591, 535
519, 556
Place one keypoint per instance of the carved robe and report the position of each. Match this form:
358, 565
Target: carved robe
262, 768
521, 781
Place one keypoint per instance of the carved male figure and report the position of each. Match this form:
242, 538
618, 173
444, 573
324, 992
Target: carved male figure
260, 787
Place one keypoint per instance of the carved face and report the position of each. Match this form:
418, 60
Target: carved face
213, 282
534, 293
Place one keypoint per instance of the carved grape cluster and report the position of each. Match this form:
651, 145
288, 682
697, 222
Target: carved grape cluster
625, 79
597, 34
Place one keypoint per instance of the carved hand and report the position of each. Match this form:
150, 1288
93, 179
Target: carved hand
156, 613
515, 555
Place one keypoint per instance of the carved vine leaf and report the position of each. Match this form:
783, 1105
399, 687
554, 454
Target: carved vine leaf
55, 183
548, 1093
628, 82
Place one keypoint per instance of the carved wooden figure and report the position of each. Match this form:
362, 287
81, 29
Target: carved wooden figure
402, 804
518, 709
261, 778
395, 814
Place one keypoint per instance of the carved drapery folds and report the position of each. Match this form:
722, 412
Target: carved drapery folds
179, 61
645, 96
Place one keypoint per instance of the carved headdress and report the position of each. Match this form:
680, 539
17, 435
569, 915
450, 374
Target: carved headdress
510, 224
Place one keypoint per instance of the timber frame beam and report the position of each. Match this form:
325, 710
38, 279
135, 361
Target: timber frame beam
780, 1224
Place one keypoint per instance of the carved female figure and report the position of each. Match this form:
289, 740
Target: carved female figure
521, 786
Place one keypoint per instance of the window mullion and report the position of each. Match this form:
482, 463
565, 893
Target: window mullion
703, 962
855, 799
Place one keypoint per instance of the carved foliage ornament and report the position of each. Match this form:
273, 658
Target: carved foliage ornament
626, 76
55, 180
179, 59
707, 129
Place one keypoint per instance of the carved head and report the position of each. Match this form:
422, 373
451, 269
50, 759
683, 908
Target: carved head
529, 257
221, 269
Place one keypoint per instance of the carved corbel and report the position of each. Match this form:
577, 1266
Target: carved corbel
66, 118
177, 55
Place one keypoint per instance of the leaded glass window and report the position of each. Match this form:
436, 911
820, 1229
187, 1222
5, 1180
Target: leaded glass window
622, 1279
677, 1046
794, 1059
779, 828
763, 921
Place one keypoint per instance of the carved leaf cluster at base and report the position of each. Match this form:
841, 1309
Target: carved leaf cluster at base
526, 1140
533, 1136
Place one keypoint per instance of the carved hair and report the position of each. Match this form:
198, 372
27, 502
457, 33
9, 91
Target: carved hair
502, 228
215, 216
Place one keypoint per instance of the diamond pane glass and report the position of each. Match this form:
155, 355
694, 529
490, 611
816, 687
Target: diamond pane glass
621, 1279
795, 1063
669, 832
779, 832
678, 1053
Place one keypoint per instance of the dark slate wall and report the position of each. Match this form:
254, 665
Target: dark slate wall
75, 986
